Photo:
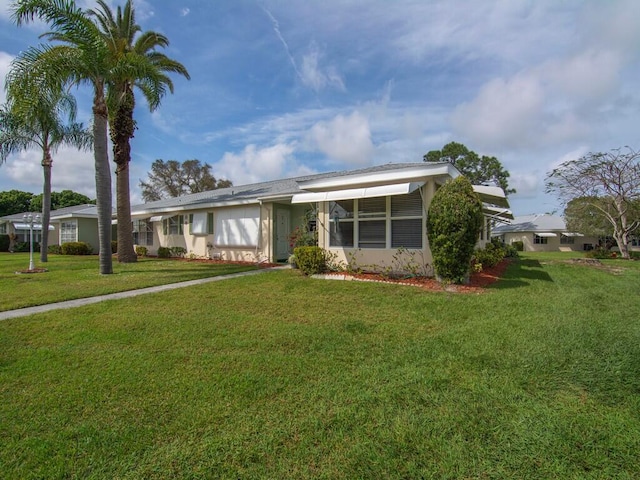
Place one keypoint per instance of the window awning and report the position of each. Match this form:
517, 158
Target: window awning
352, 193
492, 195
570, 234
158, 218
25, 226
502, 214
547, 234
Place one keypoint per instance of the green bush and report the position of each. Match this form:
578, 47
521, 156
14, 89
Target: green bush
76, 248
600, 253
4, 243
178, 251
164, 252
518, 245
510, 251
114, 246
453, 226
56, 249
310, 260
489, 256
141, 251
24, 247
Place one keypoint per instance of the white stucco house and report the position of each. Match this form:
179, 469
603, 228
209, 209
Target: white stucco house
372, 211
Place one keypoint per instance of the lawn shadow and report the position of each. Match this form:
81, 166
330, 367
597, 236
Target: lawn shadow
520, 274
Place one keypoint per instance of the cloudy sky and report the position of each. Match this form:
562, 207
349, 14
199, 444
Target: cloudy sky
279, 89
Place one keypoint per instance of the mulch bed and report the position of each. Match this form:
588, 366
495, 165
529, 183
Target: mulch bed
478, 281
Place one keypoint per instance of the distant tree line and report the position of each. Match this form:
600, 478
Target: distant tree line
17, 201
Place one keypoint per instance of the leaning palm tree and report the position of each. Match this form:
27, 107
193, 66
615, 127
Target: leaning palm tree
81, 56
36, 119
136, 64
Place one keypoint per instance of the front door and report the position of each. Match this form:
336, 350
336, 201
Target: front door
283, 219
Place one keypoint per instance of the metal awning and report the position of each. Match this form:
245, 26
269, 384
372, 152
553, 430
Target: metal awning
570, 234
352, 193
25, 226
492, 195
503, 214
158, 218
547, 234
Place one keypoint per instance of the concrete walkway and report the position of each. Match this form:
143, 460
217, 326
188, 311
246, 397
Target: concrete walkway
23, 312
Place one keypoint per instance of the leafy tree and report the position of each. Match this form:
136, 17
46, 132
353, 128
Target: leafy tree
478, 169
14, 201
601, 187
34, 118
137, 64
454, 222
65, 198
173, 179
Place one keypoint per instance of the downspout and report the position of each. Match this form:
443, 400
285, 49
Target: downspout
259, 232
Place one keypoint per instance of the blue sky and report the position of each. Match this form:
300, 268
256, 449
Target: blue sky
279, 89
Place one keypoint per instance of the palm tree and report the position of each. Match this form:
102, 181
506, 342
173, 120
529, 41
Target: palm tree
81, 57
36, 120
136, 64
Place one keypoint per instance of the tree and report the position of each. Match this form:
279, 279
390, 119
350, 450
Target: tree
14, 201
137, 64
173, 179
34, 118
454, 222
479, 170
80, 56
605, 186
65, 198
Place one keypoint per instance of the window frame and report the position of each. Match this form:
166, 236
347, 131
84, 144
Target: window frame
64, 226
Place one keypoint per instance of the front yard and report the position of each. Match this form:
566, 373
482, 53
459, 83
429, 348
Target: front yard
281, 376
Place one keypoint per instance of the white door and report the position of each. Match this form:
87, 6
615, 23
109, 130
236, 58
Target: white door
283, 218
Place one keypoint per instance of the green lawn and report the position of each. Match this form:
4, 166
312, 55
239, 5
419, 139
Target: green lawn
280, 376
71, 277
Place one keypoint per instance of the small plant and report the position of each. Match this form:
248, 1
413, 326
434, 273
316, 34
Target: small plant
76, 248
310, 260
114, 246
24, 247
164, 252
599, 253
178, 251
55, 249
518, 245
141, 251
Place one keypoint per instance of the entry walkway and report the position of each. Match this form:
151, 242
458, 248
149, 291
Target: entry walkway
23, 312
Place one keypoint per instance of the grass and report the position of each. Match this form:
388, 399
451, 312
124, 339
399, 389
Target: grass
281, 376
72, 277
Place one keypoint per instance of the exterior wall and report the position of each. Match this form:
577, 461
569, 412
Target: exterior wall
88, 232
553, 243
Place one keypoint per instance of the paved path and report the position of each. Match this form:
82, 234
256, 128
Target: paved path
23, 312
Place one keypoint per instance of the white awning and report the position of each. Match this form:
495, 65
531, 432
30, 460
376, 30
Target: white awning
351, 193
547, 234
25, 226
569, 234
492, 195
158, 218
497, 213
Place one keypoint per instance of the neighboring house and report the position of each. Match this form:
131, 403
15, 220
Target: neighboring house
368, 213
78, 223
543, 233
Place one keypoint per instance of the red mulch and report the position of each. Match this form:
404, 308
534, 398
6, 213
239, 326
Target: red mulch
477, 283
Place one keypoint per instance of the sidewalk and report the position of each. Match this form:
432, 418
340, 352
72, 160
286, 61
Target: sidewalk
23, 312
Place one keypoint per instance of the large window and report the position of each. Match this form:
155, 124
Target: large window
382, 222
68, 232
3, 228
173, 225
538, 240
142, 232
567, 240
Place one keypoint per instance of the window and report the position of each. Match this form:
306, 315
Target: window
539, 240
567, 240
173, 225
237, 227
201, 223
68, 232
3, 228
341, 223
382, 222
142, 232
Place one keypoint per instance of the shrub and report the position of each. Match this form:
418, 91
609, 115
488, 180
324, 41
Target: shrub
489, 256
600, 253
24, 247
164, 252
114, 246
518, 245
141, 251
76, 248
453, 226
54, 249
178, 251
4, 243
310, 260
510, 251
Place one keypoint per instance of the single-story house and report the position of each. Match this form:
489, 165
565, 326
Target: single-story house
543, 233
370, 213
78, 223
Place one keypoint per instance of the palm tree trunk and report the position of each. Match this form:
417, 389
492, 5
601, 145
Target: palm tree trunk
103, 179
46, 204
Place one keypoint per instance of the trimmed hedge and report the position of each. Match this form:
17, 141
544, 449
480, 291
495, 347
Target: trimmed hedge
141, 251
56, 249
4, 243
453, 227
310, 260
164, 252
76, 248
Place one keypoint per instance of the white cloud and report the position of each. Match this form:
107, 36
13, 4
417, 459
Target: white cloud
527, 184
184, 12
345, 139
313, 76
5, 63
255, 164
